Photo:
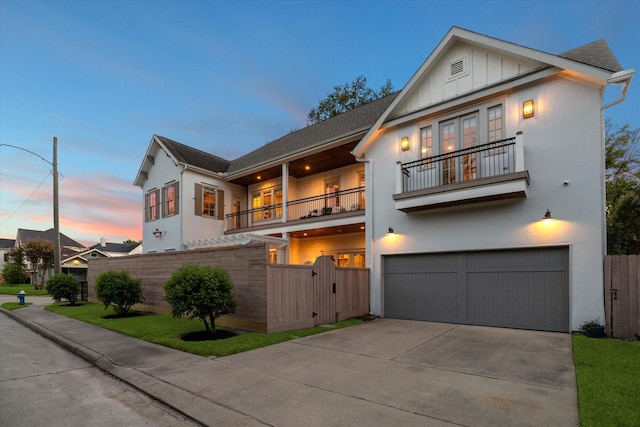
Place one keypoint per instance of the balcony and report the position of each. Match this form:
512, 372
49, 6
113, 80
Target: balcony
480, 174
310, 209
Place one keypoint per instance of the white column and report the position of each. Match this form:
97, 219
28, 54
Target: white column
285, 190
398, 177
519, 151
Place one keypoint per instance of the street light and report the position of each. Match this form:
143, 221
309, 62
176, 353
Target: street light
56, 217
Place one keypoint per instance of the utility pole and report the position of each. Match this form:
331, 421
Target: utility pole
56, 217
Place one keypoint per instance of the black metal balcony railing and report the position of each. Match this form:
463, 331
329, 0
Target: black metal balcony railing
482, 161
309, 207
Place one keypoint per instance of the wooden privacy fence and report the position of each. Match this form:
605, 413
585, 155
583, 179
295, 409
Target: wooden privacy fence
271, 298
622, 296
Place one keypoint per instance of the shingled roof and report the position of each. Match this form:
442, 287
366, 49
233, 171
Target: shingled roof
350, 123
194, 157
597, 54
49, 235
115, 247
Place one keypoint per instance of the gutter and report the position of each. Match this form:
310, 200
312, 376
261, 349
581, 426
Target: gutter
623, 78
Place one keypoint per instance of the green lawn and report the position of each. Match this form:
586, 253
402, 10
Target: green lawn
165, 330
608, 375
28, 289
14, 305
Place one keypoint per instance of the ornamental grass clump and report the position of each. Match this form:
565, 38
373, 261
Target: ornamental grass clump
119, 290
200, 292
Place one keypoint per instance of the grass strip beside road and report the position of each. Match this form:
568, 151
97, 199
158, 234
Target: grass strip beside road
28, 289
165, 330
608, 377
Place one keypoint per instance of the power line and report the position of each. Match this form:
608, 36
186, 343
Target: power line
28, 198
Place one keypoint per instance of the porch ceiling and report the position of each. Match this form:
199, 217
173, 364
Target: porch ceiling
318, 162
328, 231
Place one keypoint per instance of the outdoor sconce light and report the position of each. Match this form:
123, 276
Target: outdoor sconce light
390, 231
404, 143
527, 109
547, 216
157, 234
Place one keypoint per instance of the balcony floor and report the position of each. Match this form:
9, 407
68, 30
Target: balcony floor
483, 190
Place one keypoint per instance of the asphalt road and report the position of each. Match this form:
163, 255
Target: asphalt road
44, 384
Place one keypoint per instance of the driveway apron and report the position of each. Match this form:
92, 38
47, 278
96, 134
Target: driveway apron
458, 374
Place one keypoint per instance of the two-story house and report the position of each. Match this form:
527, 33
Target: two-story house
304, 193
475, 195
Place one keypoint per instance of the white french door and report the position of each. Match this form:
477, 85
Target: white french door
457, 134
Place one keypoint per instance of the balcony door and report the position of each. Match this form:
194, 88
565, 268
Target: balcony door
457, 134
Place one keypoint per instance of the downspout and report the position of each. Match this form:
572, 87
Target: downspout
182, 207
620, 78
368, 217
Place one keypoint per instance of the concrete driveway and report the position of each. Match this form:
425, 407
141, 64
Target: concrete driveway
442, 373
381, 373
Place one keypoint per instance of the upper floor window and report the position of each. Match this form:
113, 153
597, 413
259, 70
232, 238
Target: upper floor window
495, 124
426, 142
170, 199
209, 201
151, 205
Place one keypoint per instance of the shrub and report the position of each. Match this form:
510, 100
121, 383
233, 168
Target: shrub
118, 289
61, 286
200, 292
14, 272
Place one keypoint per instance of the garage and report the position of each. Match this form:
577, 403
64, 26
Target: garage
515, 288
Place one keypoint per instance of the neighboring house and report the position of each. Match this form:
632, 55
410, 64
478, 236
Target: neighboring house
74, 257
78, 263
5, 247
68, 246
457, 170
117, 249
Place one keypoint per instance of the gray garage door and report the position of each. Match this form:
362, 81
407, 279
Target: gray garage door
523, 288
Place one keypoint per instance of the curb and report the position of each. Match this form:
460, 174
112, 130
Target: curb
192, 406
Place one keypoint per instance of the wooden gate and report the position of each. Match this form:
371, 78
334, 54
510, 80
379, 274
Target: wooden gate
622, 296
324, 291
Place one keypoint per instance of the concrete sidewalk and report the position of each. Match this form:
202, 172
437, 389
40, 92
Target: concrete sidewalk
385, 372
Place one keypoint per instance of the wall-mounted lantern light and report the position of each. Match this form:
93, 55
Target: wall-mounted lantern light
405, 143
527, 109
157, 233
547, 216
390, 231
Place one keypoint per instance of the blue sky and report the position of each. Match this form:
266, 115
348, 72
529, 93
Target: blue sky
223, 76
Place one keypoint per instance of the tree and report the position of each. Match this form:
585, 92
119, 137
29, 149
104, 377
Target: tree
65, 286
14, 270
622, 164
40, 255
119, 290
347, 97
201, 293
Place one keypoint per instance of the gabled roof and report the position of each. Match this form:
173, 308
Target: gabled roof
353, 123
180, 154
583, 61
344, 125
186, 155
597, 54
49, 235
115, 247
